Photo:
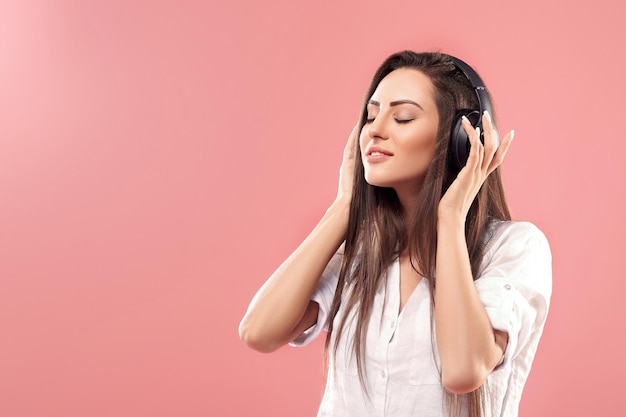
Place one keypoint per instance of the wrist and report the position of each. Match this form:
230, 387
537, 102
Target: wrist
340, 205
338, 214
335, 222
451, 220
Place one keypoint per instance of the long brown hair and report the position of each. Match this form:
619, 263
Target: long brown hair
377, 231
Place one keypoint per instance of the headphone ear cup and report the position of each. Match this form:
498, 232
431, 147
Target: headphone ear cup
459, 141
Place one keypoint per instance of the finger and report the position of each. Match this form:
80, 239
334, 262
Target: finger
481, 150
354, 134
351, 143
498, 158
473, 158
491, 139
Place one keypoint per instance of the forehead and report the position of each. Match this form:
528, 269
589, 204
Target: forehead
405, 83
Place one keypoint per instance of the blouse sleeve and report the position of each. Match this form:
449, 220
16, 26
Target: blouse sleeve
515, 286
323, 296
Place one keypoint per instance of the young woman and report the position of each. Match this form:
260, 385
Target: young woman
433, 299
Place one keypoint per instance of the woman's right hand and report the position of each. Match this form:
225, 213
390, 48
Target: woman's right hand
282, 309
346, 172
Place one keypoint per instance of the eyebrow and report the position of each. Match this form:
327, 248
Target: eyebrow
395, 103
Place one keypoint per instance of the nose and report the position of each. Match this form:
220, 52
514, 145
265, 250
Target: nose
377, 129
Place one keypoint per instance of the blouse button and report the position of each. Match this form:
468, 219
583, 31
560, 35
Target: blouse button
392, 324
507, 286
382, 374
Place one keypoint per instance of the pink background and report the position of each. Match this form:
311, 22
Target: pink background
159, 159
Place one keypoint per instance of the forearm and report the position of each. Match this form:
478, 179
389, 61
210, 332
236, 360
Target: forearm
466, 340
281, 303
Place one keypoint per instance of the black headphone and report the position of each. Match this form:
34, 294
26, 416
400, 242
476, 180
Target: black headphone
459, 141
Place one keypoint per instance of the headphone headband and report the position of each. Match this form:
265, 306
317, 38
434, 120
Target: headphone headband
479, 86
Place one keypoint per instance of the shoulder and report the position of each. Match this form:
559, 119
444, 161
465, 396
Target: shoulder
519, 249
515, 235
519, 253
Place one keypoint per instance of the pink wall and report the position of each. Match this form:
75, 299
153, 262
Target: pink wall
158, 161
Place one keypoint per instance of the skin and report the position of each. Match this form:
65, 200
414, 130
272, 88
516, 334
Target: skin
469, 348
402, 119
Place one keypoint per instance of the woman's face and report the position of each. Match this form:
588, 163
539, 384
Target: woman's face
398, 139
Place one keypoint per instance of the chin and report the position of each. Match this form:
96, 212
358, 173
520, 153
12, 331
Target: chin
409, 184
379, 182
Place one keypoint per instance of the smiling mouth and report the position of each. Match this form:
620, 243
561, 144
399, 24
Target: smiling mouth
376, 151
377, 155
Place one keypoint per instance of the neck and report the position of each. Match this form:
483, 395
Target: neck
408, 200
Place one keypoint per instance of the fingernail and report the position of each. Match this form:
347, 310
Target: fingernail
512, 135
478, 131
465, 119
487, 115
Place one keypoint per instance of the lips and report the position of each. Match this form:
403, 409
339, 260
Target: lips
377, 154
377, 151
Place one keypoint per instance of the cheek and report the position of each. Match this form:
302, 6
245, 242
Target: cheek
419, 154
423, 143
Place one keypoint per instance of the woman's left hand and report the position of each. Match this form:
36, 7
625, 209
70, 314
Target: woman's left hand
482, 161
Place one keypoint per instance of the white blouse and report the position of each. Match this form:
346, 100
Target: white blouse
401, 365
